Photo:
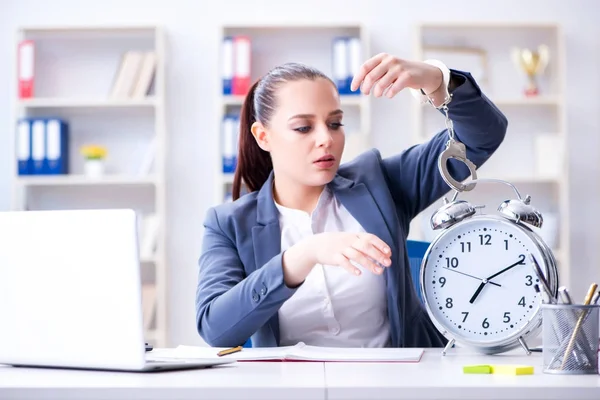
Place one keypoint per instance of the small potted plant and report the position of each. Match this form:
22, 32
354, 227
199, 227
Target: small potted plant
94, 160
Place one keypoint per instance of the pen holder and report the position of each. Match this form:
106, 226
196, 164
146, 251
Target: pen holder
570, 338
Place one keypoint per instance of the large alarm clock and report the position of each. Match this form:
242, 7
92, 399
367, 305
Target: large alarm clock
477, 278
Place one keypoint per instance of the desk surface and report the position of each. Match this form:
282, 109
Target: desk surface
435, 377
442, 377
264, 381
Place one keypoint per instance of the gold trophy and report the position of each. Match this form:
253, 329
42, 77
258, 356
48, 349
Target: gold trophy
533, 63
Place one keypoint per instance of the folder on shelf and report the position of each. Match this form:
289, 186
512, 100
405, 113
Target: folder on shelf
127, 75
23, 147
304, 352
26, 68
241, 70
229, 134
227, 65
341, 70
56, 160
355, 60
38, 146
145, 76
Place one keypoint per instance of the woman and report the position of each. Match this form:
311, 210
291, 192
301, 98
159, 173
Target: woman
316, 253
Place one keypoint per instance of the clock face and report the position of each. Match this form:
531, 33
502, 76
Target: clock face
479, 282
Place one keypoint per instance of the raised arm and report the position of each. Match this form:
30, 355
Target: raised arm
414, 178
230, 306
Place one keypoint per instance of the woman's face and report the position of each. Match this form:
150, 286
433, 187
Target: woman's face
305, 135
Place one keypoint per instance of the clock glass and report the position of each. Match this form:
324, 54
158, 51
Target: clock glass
478, 280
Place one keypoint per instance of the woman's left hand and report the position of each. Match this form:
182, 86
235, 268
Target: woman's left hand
385, 71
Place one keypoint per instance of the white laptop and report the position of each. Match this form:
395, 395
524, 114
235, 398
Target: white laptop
70, 290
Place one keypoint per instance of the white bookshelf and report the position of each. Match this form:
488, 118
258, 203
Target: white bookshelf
528, 119
75, 69
311, 44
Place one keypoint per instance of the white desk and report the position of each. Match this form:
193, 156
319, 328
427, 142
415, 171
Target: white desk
435, 377
441, 377
264, 381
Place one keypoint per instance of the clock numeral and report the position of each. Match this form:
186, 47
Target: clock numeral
485, 324
465, 247
506, 319
449, 302
529, 280
485, 240
522, 301
505, 244
451, 262
442, 281
466, 314
522, 259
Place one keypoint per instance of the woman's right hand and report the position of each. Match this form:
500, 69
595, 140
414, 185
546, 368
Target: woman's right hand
344, 249
335, 248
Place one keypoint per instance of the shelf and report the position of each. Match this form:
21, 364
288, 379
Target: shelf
519, 102
113, 29
531, 101
531, 119
148, 260
76, 69
82, 180
86, 103
485, 25
347, 100
522, 179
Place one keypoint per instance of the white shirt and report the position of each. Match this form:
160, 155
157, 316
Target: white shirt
332, 307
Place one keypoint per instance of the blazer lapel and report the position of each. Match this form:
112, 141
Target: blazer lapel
266, 236
360, 203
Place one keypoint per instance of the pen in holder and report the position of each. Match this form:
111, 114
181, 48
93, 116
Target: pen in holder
570, 338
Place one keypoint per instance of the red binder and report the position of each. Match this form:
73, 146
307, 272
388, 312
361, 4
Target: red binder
26, 70
241, 70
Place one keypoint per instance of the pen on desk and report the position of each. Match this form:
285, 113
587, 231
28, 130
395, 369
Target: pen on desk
229, 351
588, 299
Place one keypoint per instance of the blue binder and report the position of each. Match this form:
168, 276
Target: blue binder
23, 147
56, 160
38, 146
229, 137
227, 65
340, 66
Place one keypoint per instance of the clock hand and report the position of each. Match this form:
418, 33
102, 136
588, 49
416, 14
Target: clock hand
471, 276
482, 285
479, 289
521, 261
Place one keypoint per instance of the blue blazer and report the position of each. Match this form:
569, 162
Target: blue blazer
240, 284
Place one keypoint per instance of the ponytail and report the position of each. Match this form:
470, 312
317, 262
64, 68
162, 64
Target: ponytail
253, 163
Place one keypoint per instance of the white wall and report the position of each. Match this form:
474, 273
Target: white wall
193, 46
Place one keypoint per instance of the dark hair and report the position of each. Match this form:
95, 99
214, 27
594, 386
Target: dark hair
253, 163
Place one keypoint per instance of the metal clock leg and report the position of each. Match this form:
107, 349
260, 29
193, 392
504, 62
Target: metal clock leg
448, 347
524, 345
